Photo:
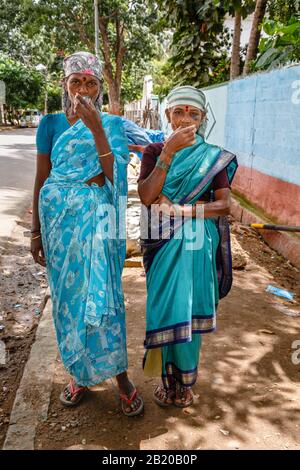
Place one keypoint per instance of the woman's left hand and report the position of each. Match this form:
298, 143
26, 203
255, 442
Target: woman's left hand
167, 207
87, 112
164, 205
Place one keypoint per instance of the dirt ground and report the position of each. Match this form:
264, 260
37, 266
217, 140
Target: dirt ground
248, 390
22, 292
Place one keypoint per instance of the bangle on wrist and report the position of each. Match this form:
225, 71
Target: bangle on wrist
35, 231
164, 166
105, 154
36, 237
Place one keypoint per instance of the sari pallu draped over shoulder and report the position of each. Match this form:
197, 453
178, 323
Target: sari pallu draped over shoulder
186, 280
83, 234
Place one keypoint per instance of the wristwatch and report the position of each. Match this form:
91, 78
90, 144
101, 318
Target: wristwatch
164, 166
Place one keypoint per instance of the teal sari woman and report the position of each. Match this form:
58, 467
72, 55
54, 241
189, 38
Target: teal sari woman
78, 232
188, 266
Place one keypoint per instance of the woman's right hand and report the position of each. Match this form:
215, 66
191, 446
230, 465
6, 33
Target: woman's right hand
181, 138
36, 248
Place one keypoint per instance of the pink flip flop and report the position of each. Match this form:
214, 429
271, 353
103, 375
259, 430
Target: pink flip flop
71, 395
129, 401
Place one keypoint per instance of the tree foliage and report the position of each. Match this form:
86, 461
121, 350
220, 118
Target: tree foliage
239, 10
23, 85
127, 37
200, 40
283, 10
46, 30
281, 46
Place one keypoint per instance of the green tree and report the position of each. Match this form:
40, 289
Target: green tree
52, 94
200, 40
23, 86
283, 10
127, 34
24, 42
10, 24
252, 49
238, 9
161, 72
282, 45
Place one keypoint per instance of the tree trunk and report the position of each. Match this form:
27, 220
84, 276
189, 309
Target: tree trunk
114, 100
5, 114
235, 55
259, 13
114, 93
46, 103
113, 79
46, 93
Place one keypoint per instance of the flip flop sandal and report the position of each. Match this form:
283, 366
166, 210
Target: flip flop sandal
163, 401
71, 395
125, 401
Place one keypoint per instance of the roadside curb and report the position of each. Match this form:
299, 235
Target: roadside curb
8, 128
33, 396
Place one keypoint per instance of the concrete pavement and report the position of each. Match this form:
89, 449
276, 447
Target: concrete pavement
17, 170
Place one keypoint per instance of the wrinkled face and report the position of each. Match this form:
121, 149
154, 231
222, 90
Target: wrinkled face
184, 116
85, 85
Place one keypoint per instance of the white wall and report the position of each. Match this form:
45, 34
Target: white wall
216, 96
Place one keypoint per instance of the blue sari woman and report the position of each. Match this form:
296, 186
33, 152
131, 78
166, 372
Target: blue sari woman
188, 266
81, 227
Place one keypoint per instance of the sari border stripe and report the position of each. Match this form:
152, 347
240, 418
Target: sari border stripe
223, 161
180, 333
187, 378
179, 325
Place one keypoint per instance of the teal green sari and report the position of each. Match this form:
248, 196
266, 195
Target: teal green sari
182, 278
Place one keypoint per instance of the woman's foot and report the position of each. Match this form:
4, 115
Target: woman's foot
163, 397
72, 394
184, 396
131, 402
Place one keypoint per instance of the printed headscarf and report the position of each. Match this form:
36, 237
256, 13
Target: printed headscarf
82, 62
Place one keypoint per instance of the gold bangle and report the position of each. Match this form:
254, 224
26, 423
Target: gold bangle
35, 238
105, 154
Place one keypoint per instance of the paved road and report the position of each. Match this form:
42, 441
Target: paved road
17, 168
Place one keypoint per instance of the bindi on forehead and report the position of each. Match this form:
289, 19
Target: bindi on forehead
187, 108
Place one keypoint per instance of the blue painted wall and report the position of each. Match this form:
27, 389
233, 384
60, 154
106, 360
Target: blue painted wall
258, 118
263, 122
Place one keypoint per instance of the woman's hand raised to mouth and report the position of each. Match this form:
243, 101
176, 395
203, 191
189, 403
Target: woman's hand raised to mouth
87, 112
181, 138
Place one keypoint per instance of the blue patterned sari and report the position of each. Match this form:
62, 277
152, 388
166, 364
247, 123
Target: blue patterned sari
183, 281
83, 234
